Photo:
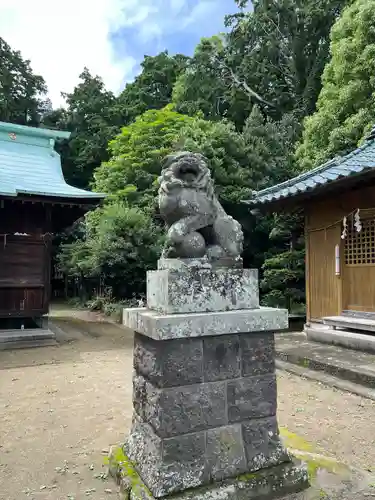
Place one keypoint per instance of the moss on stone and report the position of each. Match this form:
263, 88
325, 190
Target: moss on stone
294, 441
305, 452
248, 476
316, 463
121, 467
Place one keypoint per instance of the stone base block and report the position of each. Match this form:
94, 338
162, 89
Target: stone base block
200, 263
173, 326
183, 362
194, 290
168, 465
274, 482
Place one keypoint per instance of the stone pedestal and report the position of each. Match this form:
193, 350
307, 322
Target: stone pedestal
204, 386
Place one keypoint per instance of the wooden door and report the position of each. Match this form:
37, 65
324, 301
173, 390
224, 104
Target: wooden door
324, 293
359, 268
24, 277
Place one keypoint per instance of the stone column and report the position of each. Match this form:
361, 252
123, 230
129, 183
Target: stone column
204, 387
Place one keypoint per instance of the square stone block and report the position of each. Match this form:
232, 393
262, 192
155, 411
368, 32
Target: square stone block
171, 363
263, 445
251, 397
180, 410
221, 358
257, 353
173, 326
194, 290
167, 465
226, 452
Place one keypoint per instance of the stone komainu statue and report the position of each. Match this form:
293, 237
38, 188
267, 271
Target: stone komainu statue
197, 224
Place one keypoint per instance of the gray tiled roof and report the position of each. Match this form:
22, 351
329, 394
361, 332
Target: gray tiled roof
360, 160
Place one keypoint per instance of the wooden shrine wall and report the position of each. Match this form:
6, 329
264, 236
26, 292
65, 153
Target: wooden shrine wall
24, 259
328, 293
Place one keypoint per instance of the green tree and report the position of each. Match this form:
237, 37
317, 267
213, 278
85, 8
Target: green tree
283, 270
269, 148
136, 154
202, 86
21, 91
152, 88
212, 86
93, 116
346, 104
280, 50
119, 245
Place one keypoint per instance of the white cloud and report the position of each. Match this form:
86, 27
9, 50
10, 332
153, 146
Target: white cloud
60, 38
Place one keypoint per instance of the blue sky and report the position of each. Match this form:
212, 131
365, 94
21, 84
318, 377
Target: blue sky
110, 37
173, 25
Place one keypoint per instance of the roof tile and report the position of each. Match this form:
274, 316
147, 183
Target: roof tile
359, 160
35, 170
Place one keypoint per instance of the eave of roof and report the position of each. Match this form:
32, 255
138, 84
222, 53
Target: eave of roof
355, 163
29, 165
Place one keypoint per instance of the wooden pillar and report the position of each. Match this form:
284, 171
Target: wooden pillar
307, 270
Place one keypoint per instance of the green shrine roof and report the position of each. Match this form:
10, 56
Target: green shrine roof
357, 162
29, 164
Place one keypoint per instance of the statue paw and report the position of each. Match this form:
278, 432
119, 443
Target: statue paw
215, 252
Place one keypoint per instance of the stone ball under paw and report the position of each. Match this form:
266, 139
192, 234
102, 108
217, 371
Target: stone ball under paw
192, 246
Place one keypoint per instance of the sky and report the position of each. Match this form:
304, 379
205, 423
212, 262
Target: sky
110, 37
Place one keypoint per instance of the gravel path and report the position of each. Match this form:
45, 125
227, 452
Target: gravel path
61, 408
338, 423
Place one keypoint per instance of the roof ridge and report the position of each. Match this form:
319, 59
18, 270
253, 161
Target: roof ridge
300, 177
337, 160
33, 131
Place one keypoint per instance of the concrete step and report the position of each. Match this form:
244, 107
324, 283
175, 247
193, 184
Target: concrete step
354, 366
325, 378
16, 339
342, 338
27, 344
349, 322
358, 314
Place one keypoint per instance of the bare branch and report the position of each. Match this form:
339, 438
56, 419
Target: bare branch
244, 86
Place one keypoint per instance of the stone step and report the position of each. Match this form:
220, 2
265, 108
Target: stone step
27, 344
326, 379
33, 337
347, 364
358, 314
349, 322
343, 338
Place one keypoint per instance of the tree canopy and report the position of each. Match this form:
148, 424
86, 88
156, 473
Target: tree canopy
152, 88
93, 116
280, 50
22, 93
346, 105
120, 244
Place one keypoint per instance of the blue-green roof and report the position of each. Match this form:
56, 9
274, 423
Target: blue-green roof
357, 162
29, 165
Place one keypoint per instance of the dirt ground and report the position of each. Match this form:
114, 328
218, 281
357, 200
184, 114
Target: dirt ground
62, 407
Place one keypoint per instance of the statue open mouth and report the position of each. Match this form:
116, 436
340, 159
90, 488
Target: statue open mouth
188, 172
